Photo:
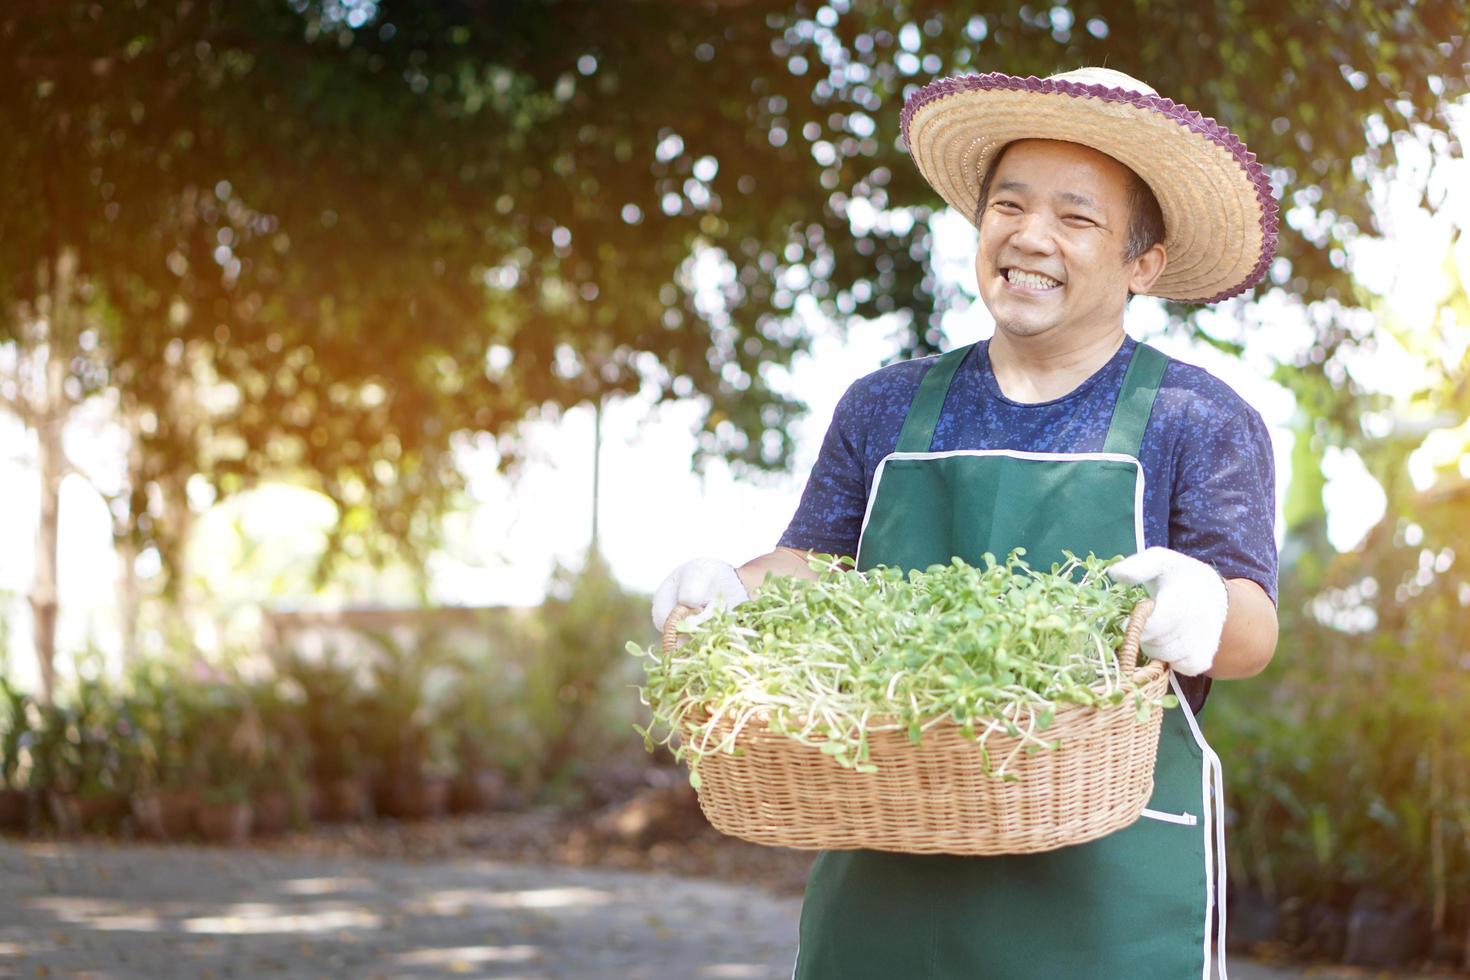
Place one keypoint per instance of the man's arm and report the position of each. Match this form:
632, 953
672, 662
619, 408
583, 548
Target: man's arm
782, 561
1248, 640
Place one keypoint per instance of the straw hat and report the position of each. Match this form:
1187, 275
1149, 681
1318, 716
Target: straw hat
1219, 216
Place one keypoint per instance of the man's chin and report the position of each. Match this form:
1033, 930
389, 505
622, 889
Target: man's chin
1023, 328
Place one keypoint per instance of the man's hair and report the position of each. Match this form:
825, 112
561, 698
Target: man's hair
1145, 219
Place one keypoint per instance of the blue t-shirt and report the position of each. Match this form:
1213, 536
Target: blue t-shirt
1209, 473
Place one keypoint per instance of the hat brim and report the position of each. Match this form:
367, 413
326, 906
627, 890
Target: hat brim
1220, 219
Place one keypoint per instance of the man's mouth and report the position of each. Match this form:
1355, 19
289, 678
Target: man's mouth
1029, 280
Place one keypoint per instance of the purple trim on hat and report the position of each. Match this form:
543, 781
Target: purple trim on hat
1176, 111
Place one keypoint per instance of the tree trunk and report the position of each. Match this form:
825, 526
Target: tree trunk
53, 331
44, 600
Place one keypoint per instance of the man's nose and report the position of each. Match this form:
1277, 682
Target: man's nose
1033, 233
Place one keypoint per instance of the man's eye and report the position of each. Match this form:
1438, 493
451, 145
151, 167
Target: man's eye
1004, 204
1078, 217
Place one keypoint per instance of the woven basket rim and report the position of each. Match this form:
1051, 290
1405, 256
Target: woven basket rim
776, 789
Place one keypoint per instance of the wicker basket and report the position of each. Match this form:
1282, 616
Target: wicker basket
933, 798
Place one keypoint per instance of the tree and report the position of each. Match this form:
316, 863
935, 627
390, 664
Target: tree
1349, 754
367, 227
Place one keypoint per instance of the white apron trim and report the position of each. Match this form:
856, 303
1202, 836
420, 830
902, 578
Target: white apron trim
1183, 819
1212, 779
1015, 454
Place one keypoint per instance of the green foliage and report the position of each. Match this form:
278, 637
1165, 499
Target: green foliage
543, 695
340, 216
82, 739
160, 690
576, 698
55, 753
17, 712
408, 701
830, 660
1347, 759
226, 747
283, 751
486, 715
333, 700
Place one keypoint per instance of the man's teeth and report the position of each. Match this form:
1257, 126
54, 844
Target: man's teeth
1018, 278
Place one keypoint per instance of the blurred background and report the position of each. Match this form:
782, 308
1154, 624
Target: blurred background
365, 365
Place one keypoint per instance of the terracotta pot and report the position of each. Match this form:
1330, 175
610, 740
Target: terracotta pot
477, 791
1383, 931
147, 811
1324, 931
1253, 919
102, 813
176, 810
65, 811
273, 811
15, 809
415, 796
313, 802
224, 823
345, 799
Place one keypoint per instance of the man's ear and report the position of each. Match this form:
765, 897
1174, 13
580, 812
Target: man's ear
1145, 270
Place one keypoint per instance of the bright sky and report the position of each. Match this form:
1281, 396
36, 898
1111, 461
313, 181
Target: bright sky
655, 513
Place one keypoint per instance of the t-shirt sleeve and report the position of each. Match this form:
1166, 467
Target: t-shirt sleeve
829, 518
1224, 501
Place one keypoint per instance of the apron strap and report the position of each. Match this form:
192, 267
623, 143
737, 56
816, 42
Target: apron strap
923, 415
1135, 401
1130, 412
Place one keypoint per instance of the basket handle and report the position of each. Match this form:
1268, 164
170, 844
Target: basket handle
670, 637
1128, 652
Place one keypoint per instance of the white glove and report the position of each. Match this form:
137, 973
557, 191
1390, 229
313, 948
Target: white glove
704, 584
1190, 603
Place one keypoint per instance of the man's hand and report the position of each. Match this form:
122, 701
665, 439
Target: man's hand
1190, 605
704, 584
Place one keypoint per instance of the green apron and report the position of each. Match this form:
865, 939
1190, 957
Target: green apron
1136, 904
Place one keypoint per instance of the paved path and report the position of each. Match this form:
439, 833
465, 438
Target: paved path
101, 911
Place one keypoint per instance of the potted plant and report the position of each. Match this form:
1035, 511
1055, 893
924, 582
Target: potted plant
228, 752
576, 727
138, 777
16, 713
334, 721
280, 793
479, 784
101, 730
163, 789
481, 720
75, 755
224, 814
55, 764
411, 744
228, 755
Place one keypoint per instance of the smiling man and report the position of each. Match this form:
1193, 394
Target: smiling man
1108, 233
1058, 433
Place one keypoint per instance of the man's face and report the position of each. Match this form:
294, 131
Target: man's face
1052, 238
